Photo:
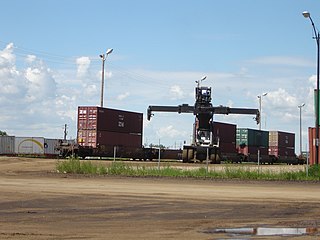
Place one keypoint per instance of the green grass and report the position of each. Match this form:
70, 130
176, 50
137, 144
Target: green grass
228, 172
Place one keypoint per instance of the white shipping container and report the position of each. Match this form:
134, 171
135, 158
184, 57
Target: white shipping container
50, 146
29, 145
7, 144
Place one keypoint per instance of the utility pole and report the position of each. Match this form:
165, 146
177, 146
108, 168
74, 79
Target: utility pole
65, 132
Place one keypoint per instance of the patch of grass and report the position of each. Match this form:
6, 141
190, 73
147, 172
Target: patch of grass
228, 172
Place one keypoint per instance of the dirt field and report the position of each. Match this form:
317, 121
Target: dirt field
37, 203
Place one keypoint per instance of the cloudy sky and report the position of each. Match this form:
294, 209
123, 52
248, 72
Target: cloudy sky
49, 62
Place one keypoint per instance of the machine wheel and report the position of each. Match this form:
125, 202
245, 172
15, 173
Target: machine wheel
187, 155
215, 156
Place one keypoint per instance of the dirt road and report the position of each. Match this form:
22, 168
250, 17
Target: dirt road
36, 203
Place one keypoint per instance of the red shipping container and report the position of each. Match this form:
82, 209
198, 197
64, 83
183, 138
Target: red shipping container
111, 120
281, 151
225, 132
92, 138
312, 146
281, 139
227, 147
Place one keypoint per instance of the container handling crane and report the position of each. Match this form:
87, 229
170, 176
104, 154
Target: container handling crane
205, 146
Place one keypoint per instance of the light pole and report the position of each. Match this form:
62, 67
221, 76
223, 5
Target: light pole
300, 108
103, 57
199, 81
306, 14
260, 106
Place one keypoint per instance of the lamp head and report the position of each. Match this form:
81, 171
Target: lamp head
306, 14
203, 78
110, 50
101, 55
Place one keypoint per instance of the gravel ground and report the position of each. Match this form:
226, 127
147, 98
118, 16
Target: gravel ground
37, 203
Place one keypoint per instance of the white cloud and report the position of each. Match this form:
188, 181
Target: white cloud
7, 58
281, 99
31, 58
123, 96
41, 85
176, 92
83, 66
169, 132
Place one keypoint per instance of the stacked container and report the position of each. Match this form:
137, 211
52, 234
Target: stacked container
7, 145
312, 145
225, 133
105, 127
281, 144
249, 141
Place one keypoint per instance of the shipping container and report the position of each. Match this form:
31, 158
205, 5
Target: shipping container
51, 146
225, 132
252, 137
110, 120
253, 150
281, 151
7, 145
29, 145
312, 146
101, 139
227, 147
281, 139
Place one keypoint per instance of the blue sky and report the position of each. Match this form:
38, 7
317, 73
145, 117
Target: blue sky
49, 62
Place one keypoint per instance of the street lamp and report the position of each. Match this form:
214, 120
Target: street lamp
104, 57
306, 14
260, 106
199, 81
300, 108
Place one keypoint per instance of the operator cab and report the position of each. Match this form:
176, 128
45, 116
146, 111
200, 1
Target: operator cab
203, 94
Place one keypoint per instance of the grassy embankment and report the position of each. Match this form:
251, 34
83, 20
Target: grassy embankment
228, 172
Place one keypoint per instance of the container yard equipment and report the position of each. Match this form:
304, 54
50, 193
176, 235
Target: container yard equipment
203, 147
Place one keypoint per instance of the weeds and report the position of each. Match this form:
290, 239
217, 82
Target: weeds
228, 172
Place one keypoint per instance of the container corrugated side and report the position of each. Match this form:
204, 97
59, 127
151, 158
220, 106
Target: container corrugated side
107, 119
50, 146
252, 137
87, 117
114, 120
7, 145
281, 139
29, 145
103, 139
119, 139
87, 138
312, 146
281, 151
225, 132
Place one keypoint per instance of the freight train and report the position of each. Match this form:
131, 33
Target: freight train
106, 132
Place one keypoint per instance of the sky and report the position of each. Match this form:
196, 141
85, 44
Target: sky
50, 64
